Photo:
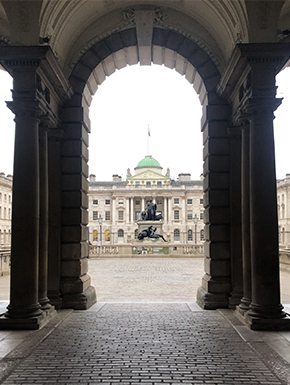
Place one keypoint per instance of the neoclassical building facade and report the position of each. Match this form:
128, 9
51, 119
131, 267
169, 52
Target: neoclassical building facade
283, 198
58, 53
5, 210
121, 203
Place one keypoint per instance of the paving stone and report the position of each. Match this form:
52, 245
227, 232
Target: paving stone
139, 343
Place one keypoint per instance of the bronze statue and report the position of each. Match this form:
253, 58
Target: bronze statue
150, 214
150, 233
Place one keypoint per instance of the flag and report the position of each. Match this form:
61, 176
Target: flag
149, 131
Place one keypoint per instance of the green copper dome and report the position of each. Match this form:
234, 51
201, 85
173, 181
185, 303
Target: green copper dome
148, 161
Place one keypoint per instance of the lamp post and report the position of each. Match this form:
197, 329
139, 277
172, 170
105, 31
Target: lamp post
100, 220
195, 220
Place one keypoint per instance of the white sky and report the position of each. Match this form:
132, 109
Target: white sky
121, 110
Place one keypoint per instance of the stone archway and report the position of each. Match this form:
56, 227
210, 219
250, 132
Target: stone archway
174, 51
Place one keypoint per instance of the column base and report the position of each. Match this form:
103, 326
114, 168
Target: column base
264, 324
31, 323
244, 306
234, 300
211, 301
80, 301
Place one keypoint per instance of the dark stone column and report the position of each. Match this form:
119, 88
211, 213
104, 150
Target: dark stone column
54, 217
43, 224
265, 309
25, 215
235, 217
246, 243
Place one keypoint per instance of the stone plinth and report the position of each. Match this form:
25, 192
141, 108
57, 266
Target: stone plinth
143, 225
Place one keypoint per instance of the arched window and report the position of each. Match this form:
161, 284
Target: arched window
136, 233
95, 235
202, 235
189, 235
176, 235
108, 235
120, 233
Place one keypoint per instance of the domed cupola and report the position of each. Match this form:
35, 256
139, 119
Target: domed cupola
148, 163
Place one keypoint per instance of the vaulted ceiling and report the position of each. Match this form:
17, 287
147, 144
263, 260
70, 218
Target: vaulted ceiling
71, 27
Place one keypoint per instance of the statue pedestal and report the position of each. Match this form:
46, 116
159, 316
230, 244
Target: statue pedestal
150, 246
143, 225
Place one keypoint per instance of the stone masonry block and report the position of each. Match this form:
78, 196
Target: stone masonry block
74, 166
77, 84
217, 233
76, 131
217, 250
216, 285
74, 233
212, 82
217, 112
74, 268
82, 72
76, 250
71, 182
74, 199
72, 114
214, 163
74, 216
198, 59
75, 284
216, 181
74, 148
217, 268
216, 146
217, 215
90, 59
216, 198
207, 70
215, 130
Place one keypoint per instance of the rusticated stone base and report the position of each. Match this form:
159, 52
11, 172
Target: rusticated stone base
80, 301
210, 301
31, 323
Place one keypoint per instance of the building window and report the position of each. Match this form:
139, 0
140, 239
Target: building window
5, 213
95, 202
137, 202
136, 234
137, 216
107, 202
159, 202
189, 215
95, 235
1, 197
201, 215
120, 233
159, 183
107, 215
189, 201
201, 201
176, 214
176, 235
9, 198
176, 201
148, 184
189, 235
120, 201
9, 213
5, 198
121, 215
202, 235
95, 215
137, 183
107, 236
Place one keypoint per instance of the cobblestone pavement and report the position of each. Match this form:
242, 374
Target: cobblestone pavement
143, 344
146, 280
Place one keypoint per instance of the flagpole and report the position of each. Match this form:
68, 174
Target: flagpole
148, 140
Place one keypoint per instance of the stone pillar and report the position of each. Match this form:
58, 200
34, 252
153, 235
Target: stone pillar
127, 210
183, 211
132, 210
245, 204
142, 204
43, 221
25, 215
265, 309
54, 219
170, 210
235, 217
165, 210
216, 283
76, 289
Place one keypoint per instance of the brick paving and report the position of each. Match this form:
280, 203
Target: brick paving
143, 344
